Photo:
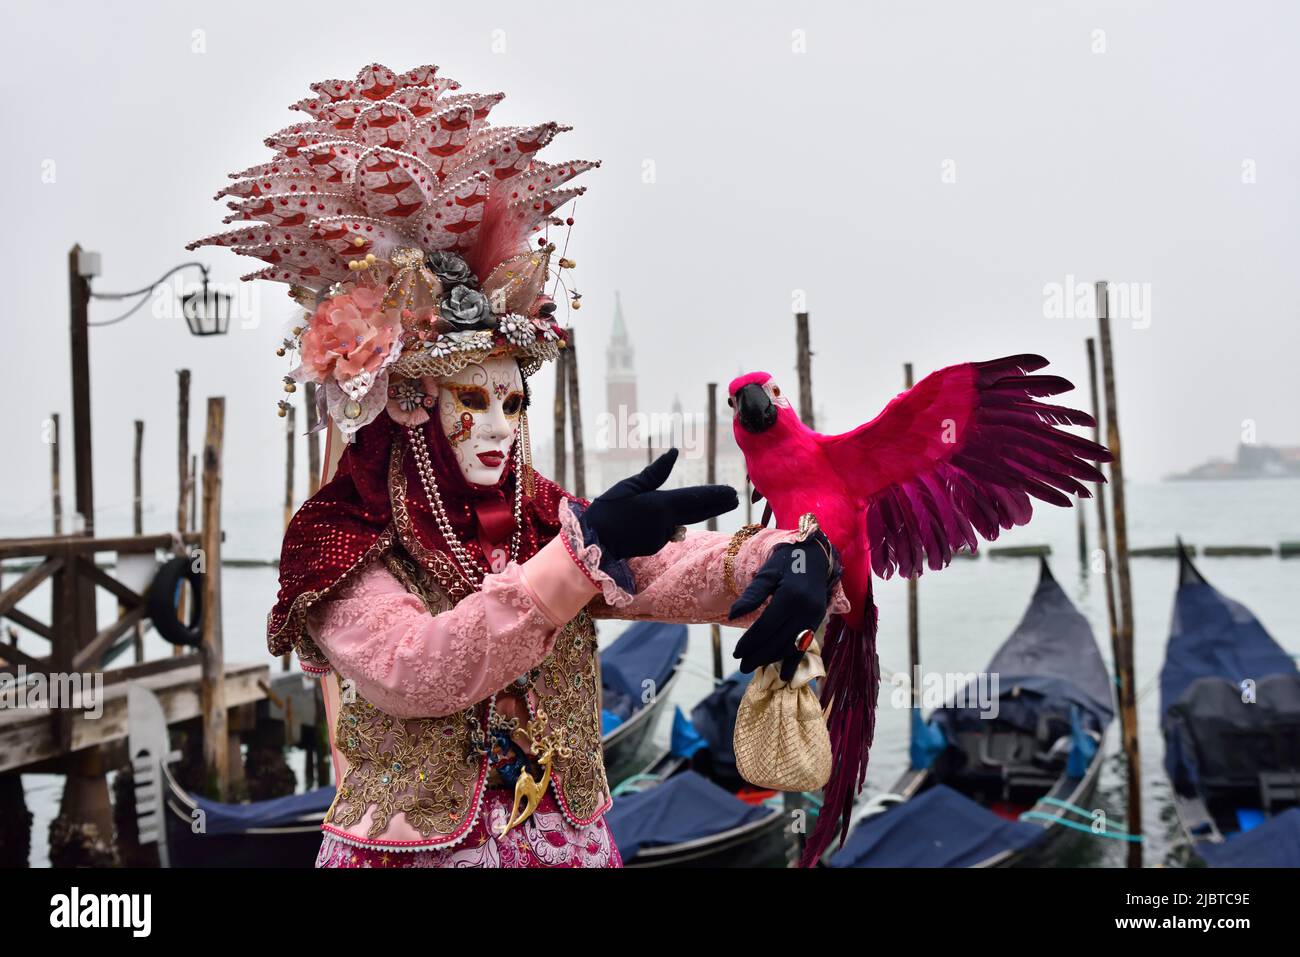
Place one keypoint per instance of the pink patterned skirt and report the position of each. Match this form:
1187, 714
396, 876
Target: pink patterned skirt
544, 840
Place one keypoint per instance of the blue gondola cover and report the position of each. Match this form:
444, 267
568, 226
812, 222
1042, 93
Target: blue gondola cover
715, 719
685, 807
927, 742
685, 740
278, 812
1274, 843
1049, 664
1083, 747
648, 651
938, 828
609, 720
1228, 692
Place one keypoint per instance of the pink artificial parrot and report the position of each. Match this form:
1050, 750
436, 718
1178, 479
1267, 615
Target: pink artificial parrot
958, 455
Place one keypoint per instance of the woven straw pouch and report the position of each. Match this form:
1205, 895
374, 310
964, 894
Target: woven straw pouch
781, 740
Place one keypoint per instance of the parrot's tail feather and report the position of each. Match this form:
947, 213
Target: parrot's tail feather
850, 689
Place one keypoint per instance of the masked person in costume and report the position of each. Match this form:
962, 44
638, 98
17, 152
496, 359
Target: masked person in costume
441, 587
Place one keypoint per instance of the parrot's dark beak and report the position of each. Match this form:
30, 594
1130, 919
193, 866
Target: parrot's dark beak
754, 408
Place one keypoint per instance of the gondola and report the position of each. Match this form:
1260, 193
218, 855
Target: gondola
691, 808
1230, 716
1004, 790
285, 832
281, 832
637, 674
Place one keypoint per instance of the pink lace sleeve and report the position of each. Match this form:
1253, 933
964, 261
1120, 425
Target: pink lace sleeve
411, 664
685, 581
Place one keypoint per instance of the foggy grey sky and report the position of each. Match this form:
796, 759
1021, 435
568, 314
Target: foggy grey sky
775, 171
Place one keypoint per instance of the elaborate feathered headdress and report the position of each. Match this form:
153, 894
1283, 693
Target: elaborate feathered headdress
404, 221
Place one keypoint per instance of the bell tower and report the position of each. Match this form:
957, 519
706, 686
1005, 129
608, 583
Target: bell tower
620, 372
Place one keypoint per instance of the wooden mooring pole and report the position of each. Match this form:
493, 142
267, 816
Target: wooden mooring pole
183, 474
212, 692
290, 442
1083, 536
913, 608
289, 445
137, 484
1127, 689
313, 439
1103, 521
137, 522
561, 386
575, 418
82, 467
56, 495
803, 361
83, 521
185, 477
711, 477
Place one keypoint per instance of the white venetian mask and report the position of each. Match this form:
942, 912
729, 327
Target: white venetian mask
479, 409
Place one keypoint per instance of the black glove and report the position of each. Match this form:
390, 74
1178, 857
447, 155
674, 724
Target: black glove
800, 578
635, 518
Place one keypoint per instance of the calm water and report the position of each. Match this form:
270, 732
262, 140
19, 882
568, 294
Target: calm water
965, 613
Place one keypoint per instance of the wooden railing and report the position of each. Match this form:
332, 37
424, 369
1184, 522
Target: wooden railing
76, 643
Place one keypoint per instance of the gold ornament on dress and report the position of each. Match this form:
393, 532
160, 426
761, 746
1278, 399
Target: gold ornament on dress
745, 533
545, 744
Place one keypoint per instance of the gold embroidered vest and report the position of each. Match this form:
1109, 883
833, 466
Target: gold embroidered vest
432, 770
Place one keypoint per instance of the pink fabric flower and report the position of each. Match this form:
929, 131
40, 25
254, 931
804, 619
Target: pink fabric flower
409, 400
349, 334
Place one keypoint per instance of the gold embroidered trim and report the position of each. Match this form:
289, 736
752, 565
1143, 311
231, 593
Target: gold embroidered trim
416, 581
567, 692
745, 533
415, 767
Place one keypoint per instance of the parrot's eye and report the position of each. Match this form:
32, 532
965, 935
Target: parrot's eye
776, 390
731, 403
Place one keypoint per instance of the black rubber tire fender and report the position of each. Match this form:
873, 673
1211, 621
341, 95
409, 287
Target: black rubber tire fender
160, 601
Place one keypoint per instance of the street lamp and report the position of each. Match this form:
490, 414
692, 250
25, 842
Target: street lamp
207, 311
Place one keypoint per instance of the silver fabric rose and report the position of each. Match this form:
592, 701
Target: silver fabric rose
450, 269
466, 308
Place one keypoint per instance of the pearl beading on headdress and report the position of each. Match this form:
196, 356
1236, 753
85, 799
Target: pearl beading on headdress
388, 161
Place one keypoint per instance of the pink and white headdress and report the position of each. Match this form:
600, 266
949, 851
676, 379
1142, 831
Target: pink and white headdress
404, 222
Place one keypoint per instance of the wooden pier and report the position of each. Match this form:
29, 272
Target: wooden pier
77, 725
28, 740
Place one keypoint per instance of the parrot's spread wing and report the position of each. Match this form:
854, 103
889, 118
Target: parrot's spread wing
961, 453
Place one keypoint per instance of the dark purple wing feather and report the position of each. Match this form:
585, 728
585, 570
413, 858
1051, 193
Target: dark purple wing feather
936, 499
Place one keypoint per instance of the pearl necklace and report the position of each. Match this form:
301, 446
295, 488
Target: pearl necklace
471, 570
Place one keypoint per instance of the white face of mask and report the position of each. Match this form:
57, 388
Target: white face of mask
479, 408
